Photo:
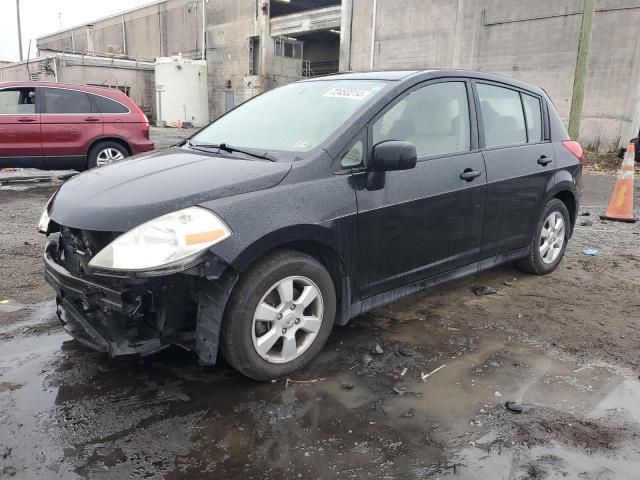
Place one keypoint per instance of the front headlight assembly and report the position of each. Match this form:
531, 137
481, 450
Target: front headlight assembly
171, 240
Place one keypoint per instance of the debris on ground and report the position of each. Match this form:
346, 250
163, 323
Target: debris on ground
409, 413
378, 349
515, 407
497, 394
585, 214
347, 386
590, 251
367, 359
406, 351
481, 290
586, 223
425, 376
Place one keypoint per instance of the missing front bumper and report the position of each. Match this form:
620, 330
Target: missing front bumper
142, 317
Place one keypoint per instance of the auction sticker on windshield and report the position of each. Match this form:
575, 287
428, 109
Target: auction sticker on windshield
353, 93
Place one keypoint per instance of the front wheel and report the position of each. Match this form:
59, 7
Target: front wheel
279, 316
549, 241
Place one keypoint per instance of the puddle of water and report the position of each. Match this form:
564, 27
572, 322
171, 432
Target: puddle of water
168, 417
30, 315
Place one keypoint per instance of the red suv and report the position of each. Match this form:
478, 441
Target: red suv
54, 126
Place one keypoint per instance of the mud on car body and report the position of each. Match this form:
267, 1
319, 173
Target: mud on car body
307, 206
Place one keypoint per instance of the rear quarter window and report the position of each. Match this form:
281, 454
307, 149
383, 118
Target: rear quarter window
106, 105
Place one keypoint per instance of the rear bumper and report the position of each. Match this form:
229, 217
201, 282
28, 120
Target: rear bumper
141, 147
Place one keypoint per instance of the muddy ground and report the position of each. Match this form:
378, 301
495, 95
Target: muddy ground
566, 346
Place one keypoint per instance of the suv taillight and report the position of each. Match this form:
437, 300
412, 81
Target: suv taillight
575, 148
144, 120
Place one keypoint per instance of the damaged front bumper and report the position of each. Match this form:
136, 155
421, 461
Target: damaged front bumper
126, 315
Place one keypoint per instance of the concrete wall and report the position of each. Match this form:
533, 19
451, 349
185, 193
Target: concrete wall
137, 79
532, 41
161, 29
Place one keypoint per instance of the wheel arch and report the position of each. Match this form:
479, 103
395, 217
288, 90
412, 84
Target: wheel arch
563, 187
311, 240
110, 138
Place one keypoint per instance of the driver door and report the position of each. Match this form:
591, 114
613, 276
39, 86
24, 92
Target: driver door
428, 220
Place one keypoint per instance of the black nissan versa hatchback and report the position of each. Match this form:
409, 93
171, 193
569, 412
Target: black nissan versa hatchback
307, 206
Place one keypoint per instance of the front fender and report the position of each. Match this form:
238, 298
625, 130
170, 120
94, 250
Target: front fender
316, 234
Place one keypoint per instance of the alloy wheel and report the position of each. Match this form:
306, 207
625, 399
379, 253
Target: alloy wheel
107, 156
552, 237
287, 319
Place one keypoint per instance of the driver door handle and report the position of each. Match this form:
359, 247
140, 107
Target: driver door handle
91, 119
26, 119
469, 174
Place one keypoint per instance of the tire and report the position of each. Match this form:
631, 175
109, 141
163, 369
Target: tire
537, 263
101, 152
241, 335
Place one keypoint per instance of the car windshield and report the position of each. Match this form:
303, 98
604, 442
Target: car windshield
294, 118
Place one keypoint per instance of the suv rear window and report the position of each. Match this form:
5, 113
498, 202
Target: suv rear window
502, 116
58, 100
106, 105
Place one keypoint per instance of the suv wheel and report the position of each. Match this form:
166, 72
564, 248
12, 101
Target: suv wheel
279, 316
104, 153
550, 239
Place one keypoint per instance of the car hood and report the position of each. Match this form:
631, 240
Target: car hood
121, 196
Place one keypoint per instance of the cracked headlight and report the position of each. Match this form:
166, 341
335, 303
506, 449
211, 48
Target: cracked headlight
177, 237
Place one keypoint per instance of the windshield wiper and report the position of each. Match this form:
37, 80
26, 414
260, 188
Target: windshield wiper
229, 149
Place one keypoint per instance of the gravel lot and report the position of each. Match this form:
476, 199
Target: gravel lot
565, 345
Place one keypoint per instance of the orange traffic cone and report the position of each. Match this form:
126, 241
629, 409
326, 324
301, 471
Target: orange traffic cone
621, 203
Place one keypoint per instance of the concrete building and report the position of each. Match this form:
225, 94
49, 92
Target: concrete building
535, 41
135, 78
253, 45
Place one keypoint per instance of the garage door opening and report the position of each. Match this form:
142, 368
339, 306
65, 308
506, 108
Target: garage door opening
321, 52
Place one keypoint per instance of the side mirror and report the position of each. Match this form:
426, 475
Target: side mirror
393, 155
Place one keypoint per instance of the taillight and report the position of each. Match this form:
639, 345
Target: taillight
575, 148
144, 120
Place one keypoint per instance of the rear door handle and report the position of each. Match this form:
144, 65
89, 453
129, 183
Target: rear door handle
469, 174
544, 160
91, 119
26, 119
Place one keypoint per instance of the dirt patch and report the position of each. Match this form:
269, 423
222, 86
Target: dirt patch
542, 425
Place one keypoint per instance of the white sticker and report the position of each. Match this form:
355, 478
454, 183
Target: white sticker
348, 93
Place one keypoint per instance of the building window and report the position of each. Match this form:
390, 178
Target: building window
288, 48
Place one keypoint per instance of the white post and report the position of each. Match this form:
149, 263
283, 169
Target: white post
204, 28
373, 32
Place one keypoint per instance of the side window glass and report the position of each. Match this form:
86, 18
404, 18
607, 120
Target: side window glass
434, 118
502, 116
533, 112
21, 101
57, 100
108, 106
353, 157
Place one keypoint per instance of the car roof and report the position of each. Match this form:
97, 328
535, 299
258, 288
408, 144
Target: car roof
105, 91
415, 76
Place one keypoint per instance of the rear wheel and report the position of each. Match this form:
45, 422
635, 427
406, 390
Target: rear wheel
105, 153
549, 241
279, 316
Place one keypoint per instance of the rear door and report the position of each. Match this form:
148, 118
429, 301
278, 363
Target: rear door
70, 123
427, 220
20, 142
519, 157
116, 116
